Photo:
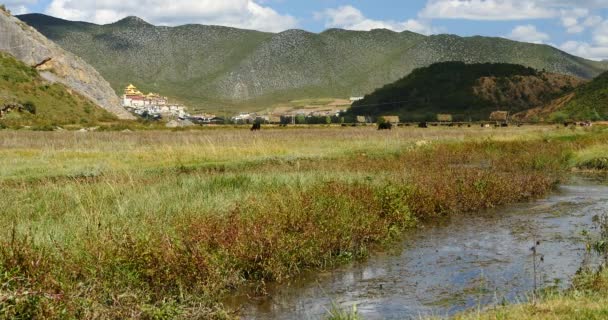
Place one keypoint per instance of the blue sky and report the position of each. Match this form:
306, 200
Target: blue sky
577, 26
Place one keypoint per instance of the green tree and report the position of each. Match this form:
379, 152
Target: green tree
300, 119
558, 117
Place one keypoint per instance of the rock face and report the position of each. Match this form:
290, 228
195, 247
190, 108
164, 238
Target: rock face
57, 65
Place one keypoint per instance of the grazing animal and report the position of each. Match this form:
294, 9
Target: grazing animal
385, 126
256, 127
423, 125
504, 125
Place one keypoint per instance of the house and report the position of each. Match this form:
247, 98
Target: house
355, 99
274, 119
445, 117
391, 119
499, 116
244, 117
362, 119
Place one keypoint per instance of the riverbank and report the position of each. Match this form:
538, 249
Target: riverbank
450, 265
163, 224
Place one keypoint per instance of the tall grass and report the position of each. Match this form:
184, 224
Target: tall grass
161, 225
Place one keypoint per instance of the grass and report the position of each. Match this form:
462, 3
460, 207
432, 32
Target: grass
159, 224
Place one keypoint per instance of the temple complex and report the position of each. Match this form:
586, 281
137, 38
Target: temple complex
150, 104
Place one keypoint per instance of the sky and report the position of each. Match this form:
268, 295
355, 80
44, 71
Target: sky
579, 27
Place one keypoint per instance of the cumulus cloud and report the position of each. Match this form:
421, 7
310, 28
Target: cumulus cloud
351, 18
585, 49
486, 10
528, 33
509, 9
578, 20
249, 14
596, 49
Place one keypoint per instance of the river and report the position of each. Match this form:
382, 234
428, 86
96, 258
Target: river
445, 267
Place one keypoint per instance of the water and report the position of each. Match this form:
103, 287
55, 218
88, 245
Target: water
444, 268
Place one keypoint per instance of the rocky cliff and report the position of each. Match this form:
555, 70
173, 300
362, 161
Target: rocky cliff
57, 65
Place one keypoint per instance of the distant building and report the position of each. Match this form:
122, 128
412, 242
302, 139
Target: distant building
363, 119
392, 119
499, 116
444, 117
244, 118
355, 99
150, 104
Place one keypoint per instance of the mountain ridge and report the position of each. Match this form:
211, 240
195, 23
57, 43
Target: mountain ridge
213, 66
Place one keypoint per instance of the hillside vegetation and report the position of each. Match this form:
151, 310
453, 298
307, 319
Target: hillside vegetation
467, 91
47, 104
213, 67
590, 101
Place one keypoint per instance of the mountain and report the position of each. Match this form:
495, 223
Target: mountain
587, 102
213, 67
56, 65
43, 103
467, 91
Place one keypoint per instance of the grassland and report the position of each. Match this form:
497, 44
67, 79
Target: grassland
159, 224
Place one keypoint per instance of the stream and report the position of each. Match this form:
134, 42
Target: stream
443, 268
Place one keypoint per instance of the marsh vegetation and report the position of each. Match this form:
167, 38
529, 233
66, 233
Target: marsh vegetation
163, 224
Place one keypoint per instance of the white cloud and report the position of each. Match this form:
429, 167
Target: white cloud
597, 49
528, 33
247, 14
586, 50
486, 10
573, 20
508, 9
351, 18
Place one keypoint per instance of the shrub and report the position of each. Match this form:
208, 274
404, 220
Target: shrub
558, 117
30, 107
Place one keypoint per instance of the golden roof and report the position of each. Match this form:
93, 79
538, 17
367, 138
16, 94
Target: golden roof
132, 90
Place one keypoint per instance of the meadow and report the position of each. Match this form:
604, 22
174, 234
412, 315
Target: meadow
162, 224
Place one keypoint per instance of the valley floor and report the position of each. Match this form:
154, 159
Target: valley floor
159, 224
